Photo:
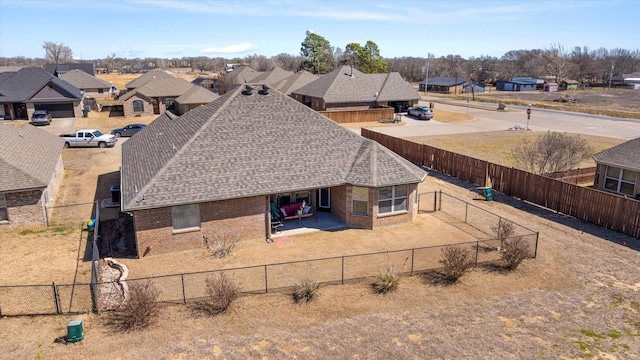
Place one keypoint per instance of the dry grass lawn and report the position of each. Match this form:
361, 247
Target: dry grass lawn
578, 299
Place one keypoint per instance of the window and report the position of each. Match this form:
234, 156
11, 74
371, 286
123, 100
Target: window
138, 106
392, 199
620, 180
359, 200
185, 216
170, 103
4, 216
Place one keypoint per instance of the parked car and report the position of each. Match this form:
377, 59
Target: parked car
128, 130
88, 138
421, 112
41, 117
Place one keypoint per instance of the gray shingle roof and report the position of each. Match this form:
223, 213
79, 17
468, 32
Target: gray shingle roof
244, 74
625, 155
247, 145
445, 81
339, 87
160, 88
25, 83
23, 163
57, 69
145, 78
294, 82
197, 95
82, 80
273, 76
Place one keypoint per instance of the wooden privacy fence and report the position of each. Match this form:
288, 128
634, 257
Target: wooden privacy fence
602, 208
356, 116
575, 176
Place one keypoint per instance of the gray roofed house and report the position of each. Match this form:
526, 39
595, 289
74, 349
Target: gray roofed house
91, 85
146, 77
158, 95
444, 84
27, 182
193, 98
272, 77
618, 169
294, 82
627, 80
60, 69
244, 74
30, 89
219, 166
347, 89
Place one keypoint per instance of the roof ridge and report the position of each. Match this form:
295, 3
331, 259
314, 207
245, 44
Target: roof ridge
186, 144
403, 162
382, 86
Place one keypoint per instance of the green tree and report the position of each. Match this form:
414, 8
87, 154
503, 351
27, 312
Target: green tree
318, 53
365, 58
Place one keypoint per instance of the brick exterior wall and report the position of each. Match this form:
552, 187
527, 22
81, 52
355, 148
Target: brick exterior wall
127, 106
24, 209
601, 171
52, 188
395, 218
338, 201
245, 217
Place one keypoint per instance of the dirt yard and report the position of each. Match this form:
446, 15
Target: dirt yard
578, 299
610, 102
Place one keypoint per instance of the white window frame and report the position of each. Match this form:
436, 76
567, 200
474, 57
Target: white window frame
179, 217
619, 180
359, 194
3, 208
393, 199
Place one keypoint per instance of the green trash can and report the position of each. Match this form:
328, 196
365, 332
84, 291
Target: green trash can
74, 331
488, 196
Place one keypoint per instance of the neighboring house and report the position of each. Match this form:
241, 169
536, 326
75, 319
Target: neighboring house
148, 76
627, 80
503, 85
550, 87
272, 77
217, 167
569, 85
294, 82
193, 98
618, 169
205, 82
244, 74
61, 69
477, 88
11, 68
539, 82
444, 84
31, 89
156, 96
91, 85
349, 89
31, 163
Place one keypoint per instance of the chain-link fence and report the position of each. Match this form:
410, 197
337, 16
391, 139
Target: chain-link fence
189, 287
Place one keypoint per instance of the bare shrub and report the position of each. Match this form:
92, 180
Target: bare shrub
221, 243
514, 252
456, 261
504, 229
305, 289
221, 292
141, 306
551, 152
387, 280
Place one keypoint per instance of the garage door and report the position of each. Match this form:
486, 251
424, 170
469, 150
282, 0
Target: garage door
63, 110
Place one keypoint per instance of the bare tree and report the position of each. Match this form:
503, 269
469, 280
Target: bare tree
552, 152
225, 83
557, 61
57, 53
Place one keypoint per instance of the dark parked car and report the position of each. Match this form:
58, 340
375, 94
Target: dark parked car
41, 117
128, 130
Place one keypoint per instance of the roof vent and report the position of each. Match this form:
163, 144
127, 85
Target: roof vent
265, 89
352, 74
248, 89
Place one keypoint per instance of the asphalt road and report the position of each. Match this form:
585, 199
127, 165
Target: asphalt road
492, 120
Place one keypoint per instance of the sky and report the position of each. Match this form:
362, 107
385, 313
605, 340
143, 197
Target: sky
95, 29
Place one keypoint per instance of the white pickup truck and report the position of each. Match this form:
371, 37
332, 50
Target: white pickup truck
88, 138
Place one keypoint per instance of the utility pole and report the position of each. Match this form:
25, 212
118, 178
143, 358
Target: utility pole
426, 77
610, 75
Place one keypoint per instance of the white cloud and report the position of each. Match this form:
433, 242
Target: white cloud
231, 49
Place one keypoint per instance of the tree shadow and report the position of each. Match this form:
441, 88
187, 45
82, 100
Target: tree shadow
436, 278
